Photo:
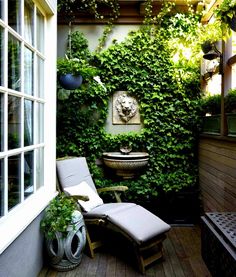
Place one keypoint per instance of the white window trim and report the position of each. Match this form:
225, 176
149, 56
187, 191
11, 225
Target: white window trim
15, 222
20, 217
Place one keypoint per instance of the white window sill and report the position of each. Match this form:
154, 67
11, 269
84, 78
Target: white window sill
12, 225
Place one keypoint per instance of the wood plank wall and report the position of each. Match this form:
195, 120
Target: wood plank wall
217, 174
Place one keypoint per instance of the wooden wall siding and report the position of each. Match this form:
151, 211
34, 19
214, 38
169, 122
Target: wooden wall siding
217, 174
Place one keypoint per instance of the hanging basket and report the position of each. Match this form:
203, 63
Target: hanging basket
207, 46
70, 81
233, 24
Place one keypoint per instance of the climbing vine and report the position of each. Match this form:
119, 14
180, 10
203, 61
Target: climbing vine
165, 81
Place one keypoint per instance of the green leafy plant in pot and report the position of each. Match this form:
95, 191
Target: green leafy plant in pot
211, 104
69, 73
65, 234
72, 72
58, 215
211, 109
230, 109
230, 101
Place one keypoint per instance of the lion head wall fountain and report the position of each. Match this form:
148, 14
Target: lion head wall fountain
127, 164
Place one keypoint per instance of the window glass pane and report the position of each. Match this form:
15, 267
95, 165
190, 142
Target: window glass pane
39, 134
39, 168
28, 173
1, 8
14, 122
40, 32
14, 181
29, 21
28, 123
40, 79
14, 15
2, 122
2, 55
28, 71
14, 81
1, 187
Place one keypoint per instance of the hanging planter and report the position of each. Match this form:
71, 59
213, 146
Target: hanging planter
69, 73
233, 23
226, 13
72, 72
70, 81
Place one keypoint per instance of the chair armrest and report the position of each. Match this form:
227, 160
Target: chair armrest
116, 190
77, 197
80, 197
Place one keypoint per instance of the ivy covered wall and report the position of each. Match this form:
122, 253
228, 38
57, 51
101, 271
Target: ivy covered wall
152, 65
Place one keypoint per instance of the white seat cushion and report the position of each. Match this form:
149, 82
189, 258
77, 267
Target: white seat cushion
139, 223
84, 189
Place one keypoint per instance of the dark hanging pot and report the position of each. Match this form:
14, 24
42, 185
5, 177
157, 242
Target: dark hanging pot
70, 81
233, 24
206, 46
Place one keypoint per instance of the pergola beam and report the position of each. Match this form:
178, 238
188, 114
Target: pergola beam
210, 10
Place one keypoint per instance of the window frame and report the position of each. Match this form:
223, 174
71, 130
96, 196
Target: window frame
17, 219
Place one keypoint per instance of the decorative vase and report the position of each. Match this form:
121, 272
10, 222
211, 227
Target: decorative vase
65, 252
70, 81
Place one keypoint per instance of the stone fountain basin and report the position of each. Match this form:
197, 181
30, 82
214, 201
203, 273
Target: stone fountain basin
126, 165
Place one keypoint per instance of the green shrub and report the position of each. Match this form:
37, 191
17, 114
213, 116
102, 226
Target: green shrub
211, 104
58, 215
168, 93
230, 101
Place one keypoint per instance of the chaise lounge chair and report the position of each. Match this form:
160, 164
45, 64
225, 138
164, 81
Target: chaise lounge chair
142, 228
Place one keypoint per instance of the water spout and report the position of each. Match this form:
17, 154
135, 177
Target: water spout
125, 149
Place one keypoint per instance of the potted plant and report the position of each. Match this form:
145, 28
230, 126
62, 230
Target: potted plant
207, 46
69, 73
230, 109
73, 71
65, 234
211, 109
226, 13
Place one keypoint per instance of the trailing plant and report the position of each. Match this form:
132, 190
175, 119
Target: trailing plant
70, 8
230, 101
77, 59
168, 92
76, 40
225, 12
58, 215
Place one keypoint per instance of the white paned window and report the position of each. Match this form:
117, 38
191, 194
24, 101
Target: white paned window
19, 98
27, 97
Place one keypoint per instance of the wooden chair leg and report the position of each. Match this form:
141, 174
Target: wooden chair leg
92, 245
148, 254
89, 246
